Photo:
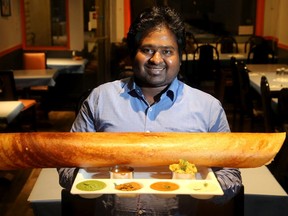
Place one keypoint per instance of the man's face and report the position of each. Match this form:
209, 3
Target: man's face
157, 60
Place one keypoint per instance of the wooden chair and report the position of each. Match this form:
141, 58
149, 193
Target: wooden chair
266, 105
244, 104
65, 95
261, 54
207, 67
227, 44
283, 109
8, 93
253, 41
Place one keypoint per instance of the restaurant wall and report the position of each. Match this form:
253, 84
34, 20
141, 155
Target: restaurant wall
11, 35
275, 21
76, 21
11, 32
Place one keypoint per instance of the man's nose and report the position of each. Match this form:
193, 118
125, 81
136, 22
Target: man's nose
156, 58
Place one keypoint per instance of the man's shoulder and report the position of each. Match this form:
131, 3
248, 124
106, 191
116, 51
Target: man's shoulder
196, 91
110, 87
115, 84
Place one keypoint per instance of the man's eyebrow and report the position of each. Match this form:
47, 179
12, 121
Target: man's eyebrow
157, 47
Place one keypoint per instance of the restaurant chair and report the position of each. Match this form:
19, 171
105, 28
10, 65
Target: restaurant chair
207, 67
35, 61
279, 166
227, 44
253, 41
261, 54
271, 119
82, 98
246, 103
282, 109
8, 93
65, 95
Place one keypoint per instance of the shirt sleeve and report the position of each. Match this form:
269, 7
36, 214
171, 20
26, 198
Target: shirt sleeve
83, 123
67, 176
230, 181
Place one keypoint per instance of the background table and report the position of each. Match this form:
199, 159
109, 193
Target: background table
70, 65
276, 81
9, 110
28, 78
263, 194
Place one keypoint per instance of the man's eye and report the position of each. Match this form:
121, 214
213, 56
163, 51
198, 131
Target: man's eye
167, 52
147, 51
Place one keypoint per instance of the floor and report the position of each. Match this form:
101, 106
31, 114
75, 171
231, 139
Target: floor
14, 194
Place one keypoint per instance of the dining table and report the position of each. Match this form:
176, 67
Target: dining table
27, 78
9, 110
275, 73
263, 195
222, 56
70, 65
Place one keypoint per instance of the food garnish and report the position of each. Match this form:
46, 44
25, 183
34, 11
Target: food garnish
183, 167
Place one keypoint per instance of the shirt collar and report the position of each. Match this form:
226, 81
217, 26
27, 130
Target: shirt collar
132, 88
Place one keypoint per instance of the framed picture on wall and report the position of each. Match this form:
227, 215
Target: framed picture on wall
5, 7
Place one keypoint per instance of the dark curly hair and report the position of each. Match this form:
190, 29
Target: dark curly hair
152, 18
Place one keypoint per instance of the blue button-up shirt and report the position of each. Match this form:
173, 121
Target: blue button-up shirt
120, 106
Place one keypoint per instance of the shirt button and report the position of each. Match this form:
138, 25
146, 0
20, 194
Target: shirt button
150, 109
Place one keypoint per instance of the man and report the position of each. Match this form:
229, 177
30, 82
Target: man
153, 100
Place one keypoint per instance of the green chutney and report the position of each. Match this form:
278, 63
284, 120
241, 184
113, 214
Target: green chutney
91, 185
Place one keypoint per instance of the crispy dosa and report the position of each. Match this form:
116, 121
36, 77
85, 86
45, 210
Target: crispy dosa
65, 149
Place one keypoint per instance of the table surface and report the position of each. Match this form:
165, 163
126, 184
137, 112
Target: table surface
66, 61
69, 65
276, 81
34, 74
28, 78
222, 56
10, 109
257, 181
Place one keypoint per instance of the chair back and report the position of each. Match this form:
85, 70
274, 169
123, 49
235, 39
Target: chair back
227, 44
208, 62
246, 103
34, 60
253, 41
206, 68
283, 106
64, 96
7, 86
266, 105
261, 54
243, 100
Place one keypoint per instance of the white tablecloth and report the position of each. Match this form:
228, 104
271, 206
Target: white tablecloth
9, 110
70, 65
28, 78
276, 81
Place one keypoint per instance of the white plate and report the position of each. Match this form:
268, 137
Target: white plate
204, 186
